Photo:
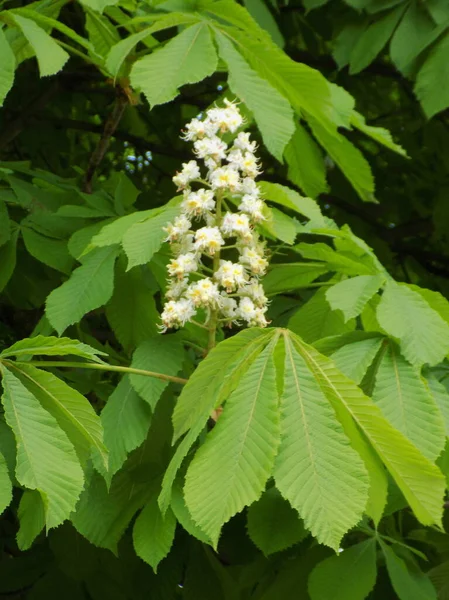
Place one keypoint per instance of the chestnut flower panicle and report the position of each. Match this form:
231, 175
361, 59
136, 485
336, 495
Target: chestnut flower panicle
227, 287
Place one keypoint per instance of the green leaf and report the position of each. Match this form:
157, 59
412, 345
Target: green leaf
419, 480
404, 399
261, 14
181, 512
231, 468
379, 134
346, 263
273, 113
273, 524
408, 581
89, 287
209, 385
102, 34
132, 312
316, 470
7, 67
315, 319
31, 513
5, 484
187, 58
305, 162
50, 56
350, 575
354, 359
143, 239
120, 51
8, 260
72, 411
153, 533
440, 395
291, 276
284, 196
5, 223
373, 40
351, 161
126, 419
46, 460
351, 295
411, 32
405, 315
162, 354
430, 87
52, 346
98, 5
51, 252
113, 233
279, 226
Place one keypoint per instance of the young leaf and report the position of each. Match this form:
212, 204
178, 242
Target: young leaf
31, 513
350, 575
52, 346
187, 58
89, 287
46, 460
351, 295
354, 359
72, 411
163, 354
143, 239
273, 113
404, 399
126, 420
273, 524
7, 67
132, 311
305, 162
231, 468
316, 469
405, 315
50, 56
5, 484
207, 388
419, 480
315, 319
153, 533
408, 581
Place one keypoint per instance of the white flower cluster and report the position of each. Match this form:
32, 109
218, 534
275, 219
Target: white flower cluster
231, 292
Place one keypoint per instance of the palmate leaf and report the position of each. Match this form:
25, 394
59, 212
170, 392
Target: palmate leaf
72, 411
231, 468
316, 469
46, 460
404, 399
433, 96
52, 346
112, 233
350, 575
440, 395
422, 332
288, 198
31, 513
187, 58
207, 388
89, 287
5, 484
418, 479
273, 113
7, 67
291, 276
354, 359
273, 524
351, 295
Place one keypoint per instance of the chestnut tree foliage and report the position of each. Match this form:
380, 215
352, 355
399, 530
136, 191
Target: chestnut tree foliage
308, 459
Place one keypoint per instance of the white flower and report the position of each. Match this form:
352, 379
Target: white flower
230, 275
208, 239
251, 314
178, 228
176, 289
252, 206
211, 164
212, 147
190, 171
255, 291
182, 265
199, 202
249, 186
203, 293
235, 159
236, 224
242, 142
197, 129
176, 313
249, 165
225, 177
227, 119
185, 244
255, 261
228, 307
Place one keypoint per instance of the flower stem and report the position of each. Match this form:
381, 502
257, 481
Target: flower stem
100, 367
